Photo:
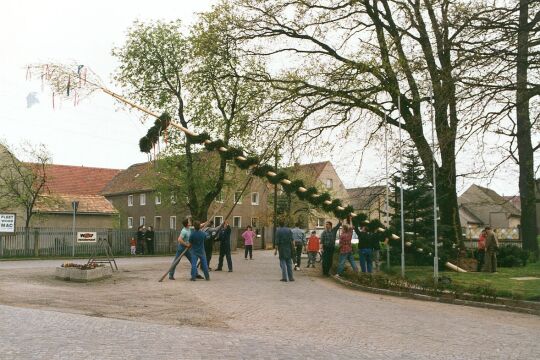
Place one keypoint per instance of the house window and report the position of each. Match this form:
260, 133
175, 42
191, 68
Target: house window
142, 199
237, 221
329, 183
320, 222
158, 199
157, 222
255, 198
254, 222
172, 222
130, 222
142, 220
218, 220
219, 197
130, 200
238, 197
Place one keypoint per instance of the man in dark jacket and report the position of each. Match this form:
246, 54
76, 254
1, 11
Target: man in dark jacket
211, 237
140, 240
365, 247
224, 238
149, 235
284, 245
328, 240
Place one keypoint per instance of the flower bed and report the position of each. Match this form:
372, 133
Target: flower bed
82, 272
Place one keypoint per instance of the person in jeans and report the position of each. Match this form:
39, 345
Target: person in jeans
328, 239
183, 243
481, 254
224, 238
312, 248
345, 250
248, 237
299, 238
284, 244
196, 240
364, 248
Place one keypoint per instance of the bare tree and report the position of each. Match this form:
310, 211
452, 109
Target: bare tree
355, 61
24, 184
510, 59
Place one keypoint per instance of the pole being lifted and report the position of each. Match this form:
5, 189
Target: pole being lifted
64, 78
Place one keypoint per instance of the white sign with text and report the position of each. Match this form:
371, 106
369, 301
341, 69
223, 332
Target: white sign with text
86, 237
7, 223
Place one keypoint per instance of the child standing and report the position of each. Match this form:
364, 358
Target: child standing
313, 246
248, 236
133, 245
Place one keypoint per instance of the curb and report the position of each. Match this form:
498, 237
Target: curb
478, 304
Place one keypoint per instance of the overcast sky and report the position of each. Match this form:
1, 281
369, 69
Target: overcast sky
96, 132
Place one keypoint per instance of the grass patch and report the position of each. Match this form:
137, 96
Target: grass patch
500, 284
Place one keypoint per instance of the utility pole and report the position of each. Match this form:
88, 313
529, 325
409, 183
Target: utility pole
435, 234
275, 200
387, 190
74, 205
401, 192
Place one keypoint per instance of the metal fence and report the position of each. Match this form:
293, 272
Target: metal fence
505, 236
61, 242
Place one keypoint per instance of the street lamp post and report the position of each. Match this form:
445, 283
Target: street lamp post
435, 233
74, 206
401, 192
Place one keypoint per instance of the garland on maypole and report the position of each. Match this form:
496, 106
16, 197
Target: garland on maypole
80, 81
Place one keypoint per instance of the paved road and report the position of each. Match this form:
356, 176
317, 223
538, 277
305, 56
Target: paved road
312, 318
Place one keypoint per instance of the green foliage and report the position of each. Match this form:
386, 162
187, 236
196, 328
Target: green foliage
196, 75
512, 256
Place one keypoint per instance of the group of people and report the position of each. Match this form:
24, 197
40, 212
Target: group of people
487, 251
196, 242
143, 242
289, 244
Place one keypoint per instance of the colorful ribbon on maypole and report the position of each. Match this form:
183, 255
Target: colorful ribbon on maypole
62, 78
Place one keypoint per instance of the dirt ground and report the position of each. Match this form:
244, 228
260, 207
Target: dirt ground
133, 293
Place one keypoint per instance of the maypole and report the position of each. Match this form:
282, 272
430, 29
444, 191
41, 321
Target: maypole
64, 78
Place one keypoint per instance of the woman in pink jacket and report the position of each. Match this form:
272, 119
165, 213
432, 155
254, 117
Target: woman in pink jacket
248, 236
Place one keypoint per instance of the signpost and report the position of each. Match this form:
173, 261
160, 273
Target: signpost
74, 206
7, 225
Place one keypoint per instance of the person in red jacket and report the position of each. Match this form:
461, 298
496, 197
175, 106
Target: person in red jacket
313, 246
481, 250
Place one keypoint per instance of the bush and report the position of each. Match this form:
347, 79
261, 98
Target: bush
512, 256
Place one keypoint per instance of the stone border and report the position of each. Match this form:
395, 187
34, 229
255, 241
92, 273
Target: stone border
78, 275
526, 308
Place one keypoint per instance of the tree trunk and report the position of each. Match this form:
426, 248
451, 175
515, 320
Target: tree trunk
524, 145
201, 214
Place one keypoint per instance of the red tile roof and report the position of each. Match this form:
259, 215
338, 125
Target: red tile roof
80, 180
133, 179
88, 204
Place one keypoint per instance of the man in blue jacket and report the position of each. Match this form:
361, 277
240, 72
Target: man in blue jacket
284, 244
196, 239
